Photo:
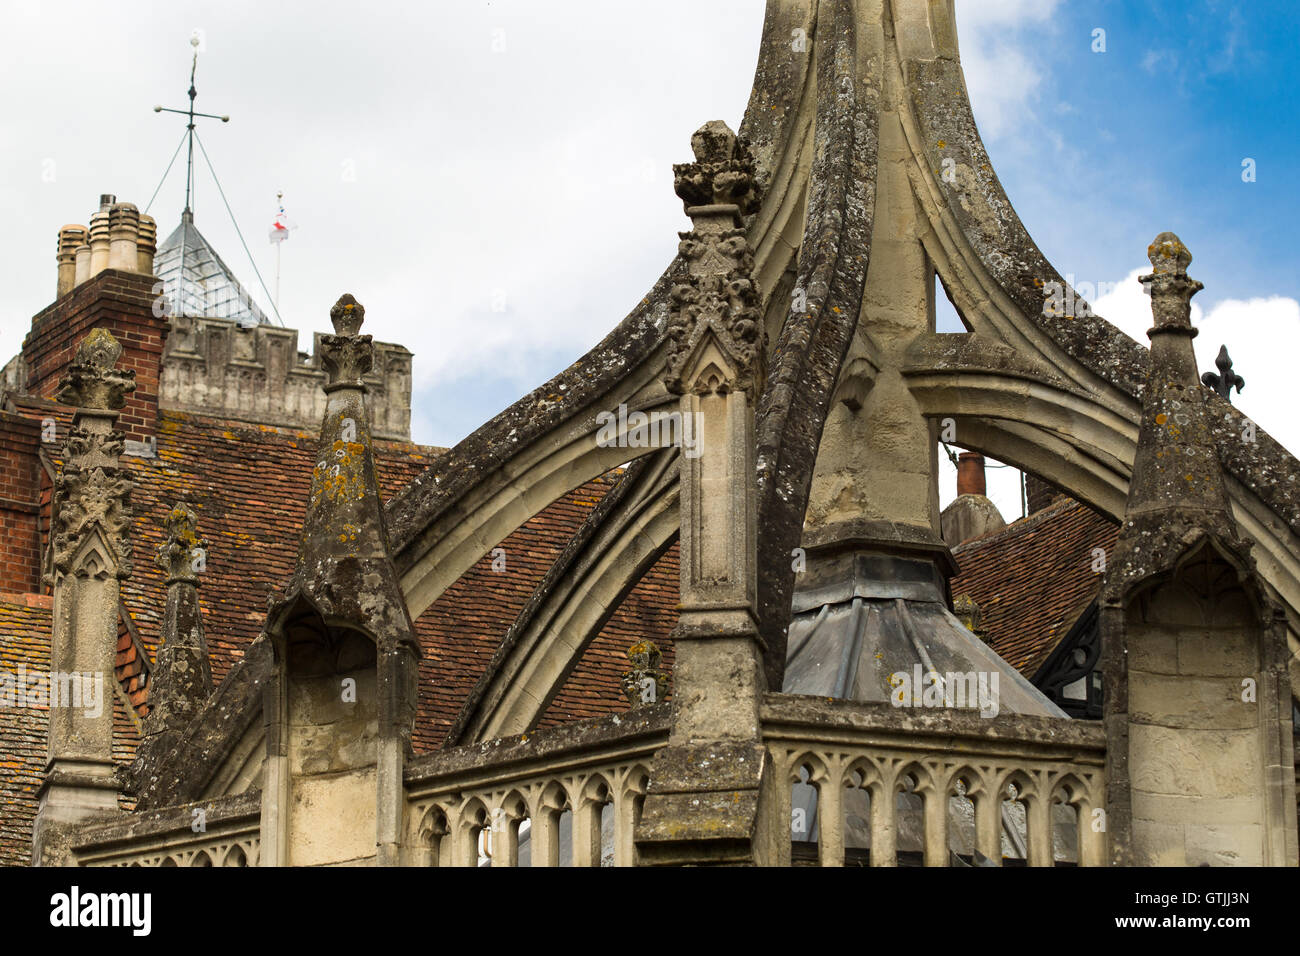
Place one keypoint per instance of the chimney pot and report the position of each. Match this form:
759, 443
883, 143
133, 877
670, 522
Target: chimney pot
99, 242
83, 264
123, 231
70, 237
970, 474
146, 245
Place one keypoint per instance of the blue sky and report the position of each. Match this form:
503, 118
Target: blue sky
493, 180
1101, 151
1152, 133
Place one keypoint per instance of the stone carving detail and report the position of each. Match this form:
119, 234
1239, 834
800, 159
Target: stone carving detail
182, 675
93, 490
92, 381
176, 555
346, 355
647, 682
1177, 495
971, 615
1170, 286
717, 289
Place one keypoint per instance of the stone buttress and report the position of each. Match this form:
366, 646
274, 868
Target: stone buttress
341, 700
91, 555
1197, 710
702, 805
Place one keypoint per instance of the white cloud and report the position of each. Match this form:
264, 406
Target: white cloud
1155, 61
1002, 78
1251, 328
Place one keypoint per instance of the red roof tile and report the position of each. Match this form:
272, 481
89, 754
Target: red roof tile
1033, 578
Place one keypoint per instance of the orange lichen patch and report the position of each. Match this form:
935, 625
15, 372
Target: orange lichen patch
1161, 418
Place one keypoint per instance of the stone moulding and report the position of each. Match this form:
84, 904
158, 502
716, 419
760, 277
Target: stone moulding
150, 838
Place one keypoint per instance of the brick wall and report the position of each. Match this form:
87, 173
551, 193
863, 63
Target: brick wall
1039, 494
123, 303
20, 493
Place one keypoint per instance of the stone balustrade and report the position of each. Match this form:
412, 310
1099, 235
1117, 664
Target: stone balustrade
579, 786
952, 783
965, 790
220, 832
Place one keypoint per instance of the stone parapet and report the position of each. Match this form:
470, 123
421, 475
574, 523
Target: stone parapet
218, 367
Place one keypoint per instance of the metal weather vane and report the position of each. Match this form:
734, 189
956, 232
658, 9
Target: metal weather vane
187, 217
191, 115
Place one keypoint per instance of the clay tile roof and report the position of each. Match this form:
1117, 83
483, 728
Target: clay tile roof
649, 611
461, 630
1033, 578
248, 484
24, 643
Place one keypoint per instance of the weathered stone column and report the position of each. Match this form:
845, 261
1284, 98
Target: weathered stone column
70, 237
92, 550
340, 705
181, 679
703, 801
1198, 709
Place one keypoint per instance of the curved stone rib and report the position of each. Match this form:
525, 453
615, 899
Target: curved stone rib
485, 513
996, 274
625, 534
805, 365
472, 491
987, 226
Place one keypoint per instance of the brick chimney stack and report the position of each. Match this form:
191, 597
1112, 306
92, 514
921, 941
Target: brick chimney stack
1038, 493
970, 474
971, 513
105, 282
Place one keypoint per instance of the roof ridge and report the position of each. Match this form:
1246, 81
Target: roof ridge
1020, 524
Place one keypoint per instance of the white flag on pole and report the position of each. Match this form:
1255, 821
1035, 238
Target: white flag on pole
281, 226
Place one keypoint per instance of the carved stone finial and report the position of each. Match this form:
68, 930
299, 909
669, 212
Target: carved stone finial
92, 381
722, 174
181, 679
971, 615
1170, 286
1177, 492
177, 555
717, 291
347, 315
1226, 378
646, 682
92, 491
1168, 255
346, 356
